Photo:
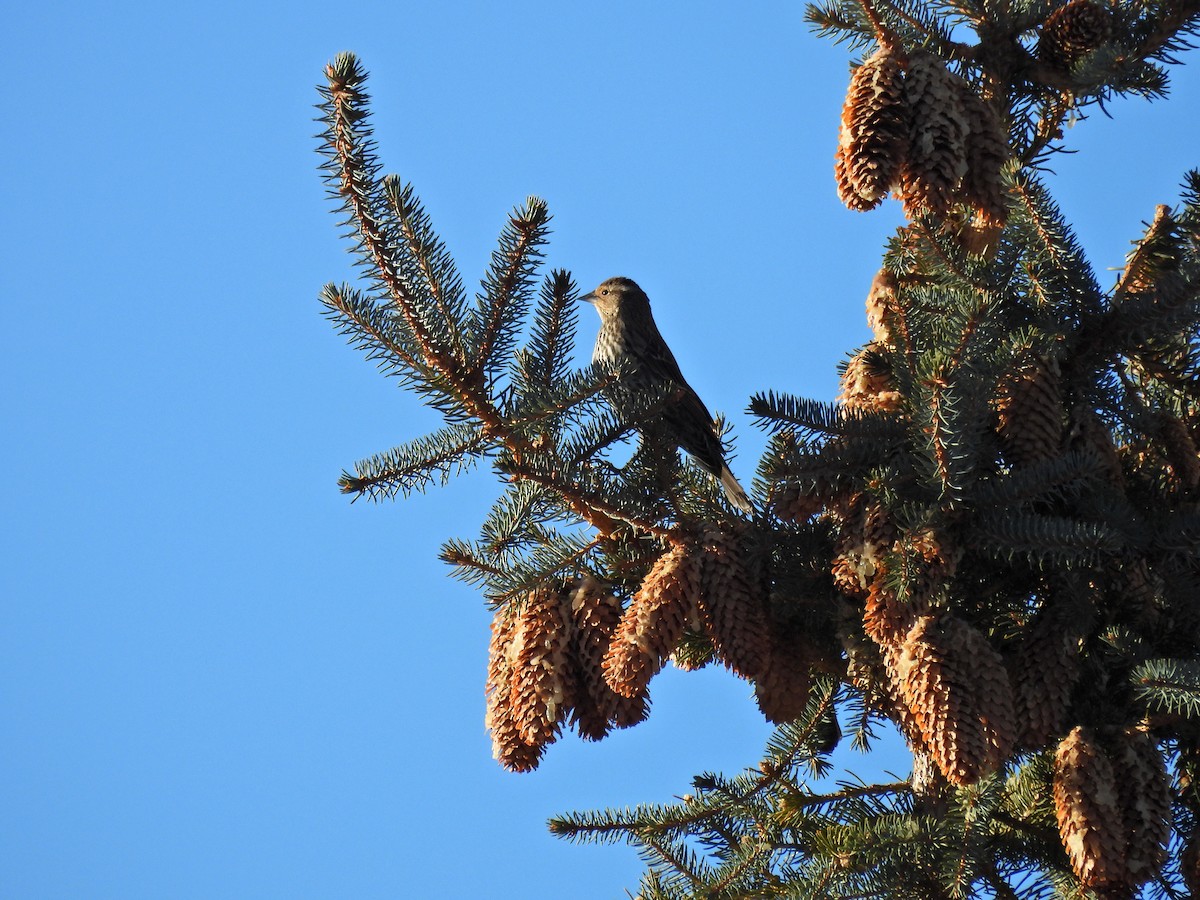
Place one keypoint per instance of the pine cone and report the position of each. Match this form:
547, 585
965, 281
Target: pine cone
868, 383
1133, 590
886, 620
1089, 433
1072, 32
596, 613
1144, 794
1145, 261
1030, 406
781, 690
873, 134
664, 606
1088, 811
508, 747
1180, 450
541, 671
936, 160
881, 308
792, 504
854, 562
958, 691
732, 604
1043, 669
986, 153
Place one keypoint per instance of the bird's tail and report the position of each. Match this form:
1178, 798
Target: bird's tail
734, 491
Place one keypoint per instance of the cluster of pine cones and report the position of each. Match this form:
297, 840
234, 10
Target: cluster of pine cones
576, 654
1112, 799
912, 127
964, 705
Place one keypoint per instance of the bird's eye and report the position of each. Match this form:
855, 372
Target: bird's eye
604, 291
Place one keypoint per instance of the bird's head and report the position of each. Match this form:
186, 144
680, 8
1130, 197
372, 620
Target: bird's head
617, 296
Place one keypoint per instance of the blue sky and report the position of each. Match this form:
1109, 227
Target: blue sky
217, 677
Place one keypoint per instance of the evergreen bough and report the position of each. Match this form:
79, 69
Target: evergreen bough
990, 540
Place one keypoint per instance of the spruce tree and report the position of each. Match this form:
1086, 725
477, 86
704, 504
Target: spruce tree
990, 539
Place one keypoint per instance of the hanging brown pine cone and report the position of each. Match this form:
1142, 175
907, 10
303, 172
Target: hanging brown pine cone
874, 132
1043, 667
595, 613
732, 604
936, 159
1088, 811
542, 678
1144, 794
1089, 434
868, 383
781, 690
986, 153
881, 308
1072, 32
1189, 862
1030, 406
957, 688
1180, 450
1146, 260
509, 748
664, 606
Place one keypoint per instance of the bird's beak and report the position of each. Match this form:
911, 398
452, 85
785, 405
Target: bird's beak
589, 297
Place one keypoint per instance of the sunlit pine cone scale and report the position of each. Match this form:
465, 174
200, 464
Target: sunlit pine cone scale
1073, 31
508, 747
936, 159
664, 606
874, 132
957, 688
732, 604
542, 676
1029, 404
596, 613
845, 186
1088, 811
1144, 793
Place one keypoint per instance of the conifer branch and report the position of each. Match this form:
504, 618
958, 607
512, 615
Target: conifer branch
414, 466
430, 259
507, 283
779, 411
591, 506
359, 189
1169, 685
847, 792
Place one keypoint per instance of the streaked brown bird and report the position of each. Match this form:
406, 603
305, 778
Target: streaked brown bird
629, 344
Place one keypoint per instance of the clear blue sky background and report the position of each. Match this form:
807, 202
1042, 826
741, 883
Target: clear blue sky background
218, 678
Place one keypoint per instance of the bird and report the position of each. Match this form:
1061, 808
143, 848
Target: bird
630, 347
